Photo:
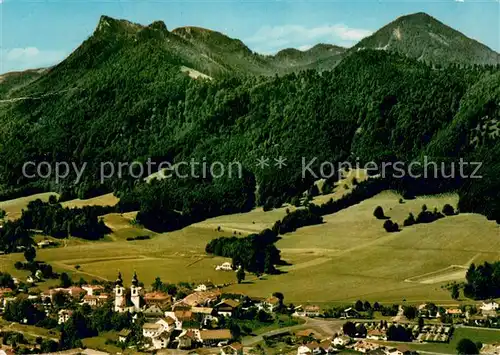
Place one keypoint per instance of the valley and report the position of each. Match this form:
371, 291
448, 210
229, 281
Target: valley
350, 255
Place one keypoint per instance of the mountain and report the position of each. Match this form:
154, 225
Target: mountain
422, 37
16, 80
124, 96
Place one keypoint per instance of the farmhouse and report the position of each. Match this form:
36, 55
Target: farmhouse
161, 299
200, 298
349, 313
95, 301
213, 337
93, 290
272, 303
489, 306
226, 307
309, 311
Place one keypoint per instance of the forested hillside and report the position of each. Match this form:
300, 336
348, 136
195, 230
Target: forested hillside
423, 37
122, 97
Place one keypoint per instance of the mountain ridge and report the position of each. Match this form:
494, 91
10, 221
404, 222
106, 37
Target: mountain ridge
423, 37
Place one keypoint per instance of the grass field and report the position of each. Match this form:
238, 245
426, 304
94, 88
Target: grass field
483, 335
14, 207
348, 257
104, 200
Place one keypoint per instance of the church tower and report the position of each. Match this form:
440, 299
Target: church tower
135, 293
120, 302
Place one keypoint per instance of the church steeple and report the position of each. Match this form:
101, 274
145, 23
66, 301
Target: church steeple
119, 280
135, 280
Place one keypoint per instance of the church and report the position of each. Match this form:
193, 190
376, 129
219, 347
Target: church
131, 300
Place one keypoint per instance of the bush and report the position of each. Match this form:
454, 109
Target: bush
390, 226
140, 237
379, 213
410, 220
448, 210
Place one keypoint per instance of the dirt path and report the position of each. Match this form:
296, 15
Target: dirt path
15, 99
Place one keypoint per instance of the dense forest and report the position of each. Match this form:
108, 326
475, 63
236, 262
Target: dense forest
255, 253
121, 97
483, 281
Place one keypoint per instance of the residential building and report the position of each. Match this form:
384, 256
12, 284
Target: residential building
232, 349
365, 346
489, 306
152, 330
186, 339
215, 336
376, 334
343, 340
124, 335
400, 350
160, 299
208, 314
95, 301
93, 290
272, 303
226, 307
309, 311
349, 313
153, 312
64, 315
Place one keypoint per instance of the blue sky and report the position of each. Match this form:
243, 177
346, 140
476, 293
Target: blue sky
40, 33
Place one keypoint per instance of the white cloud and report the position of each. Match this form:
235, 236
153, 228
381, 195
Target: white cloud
459, 0
272, 38
29, 58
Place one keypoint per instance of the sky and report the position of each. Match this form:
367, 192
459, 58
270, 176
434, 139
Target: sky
40, 33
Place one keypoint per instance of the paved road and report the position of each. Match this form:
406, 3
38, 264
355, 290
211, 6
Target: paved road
328, 327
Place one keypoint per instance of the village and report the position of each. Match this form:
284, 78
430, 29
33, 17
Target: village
208, 321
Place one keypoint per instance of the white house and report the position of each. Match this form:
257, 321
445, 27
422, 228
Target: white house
161, 341
490, 306
168, 323
342, 341
172, 315
303, 350
64, 315
152, 330
308, 311
186, 339
92, 290
224, 267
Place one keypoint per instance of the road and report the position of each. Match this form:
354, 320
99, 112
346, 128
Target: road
328, 327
